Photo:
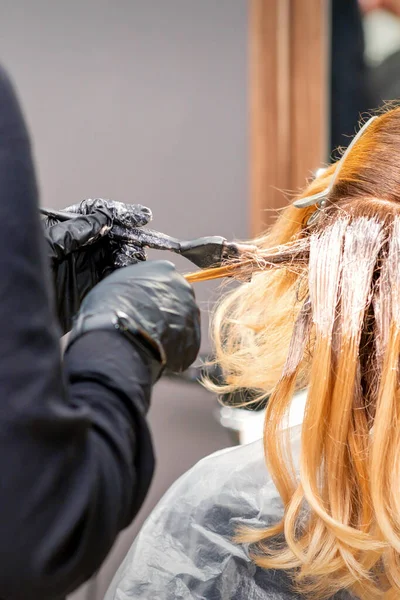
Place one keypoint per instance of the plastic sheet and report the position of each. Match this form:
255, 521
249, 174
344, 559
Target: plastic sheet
185, 549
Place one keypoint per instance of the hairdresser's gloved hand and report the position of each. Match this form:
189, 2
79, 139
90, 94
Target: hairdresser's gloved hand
126, 218
153, 306
84, 249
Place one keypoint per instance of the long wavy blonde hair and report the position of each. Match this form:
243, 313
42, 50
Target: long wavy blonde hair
322, 309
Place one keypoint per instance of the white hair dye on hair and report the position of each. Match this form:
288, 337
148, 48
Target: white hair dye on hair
324, 274
364, 238
298, 340
394, 271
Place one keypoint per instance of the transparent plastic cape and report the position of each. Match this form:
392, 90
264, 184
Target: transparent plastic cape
185, 549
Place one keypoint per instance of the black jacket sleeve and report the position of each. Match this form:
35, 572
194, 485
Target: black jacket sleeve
76, 453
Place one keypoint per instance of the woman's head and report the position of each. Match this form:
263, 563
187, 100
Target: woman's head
323, 310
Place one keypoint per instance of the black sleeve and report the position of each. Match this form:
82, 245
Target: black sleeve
76, 453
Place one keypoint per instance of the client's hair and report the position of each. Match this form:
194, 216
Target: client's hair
323, 309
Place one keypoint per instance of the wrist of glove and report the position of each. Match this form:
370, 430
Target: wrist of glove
119, 322
153, 306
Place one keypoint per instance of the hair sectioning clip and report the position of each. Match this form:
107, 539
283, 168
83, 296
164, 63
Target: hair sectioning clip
320, 198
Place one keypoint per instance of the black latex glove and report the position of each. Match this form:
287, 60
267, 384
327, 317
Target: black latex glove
125, 217
83, 250
153, 306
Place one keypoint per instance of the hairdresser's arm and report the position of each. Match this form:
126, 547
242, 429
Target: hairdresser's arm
76, 451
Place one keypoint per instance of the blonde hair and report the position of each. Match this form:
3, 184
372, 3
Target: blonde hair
323, 309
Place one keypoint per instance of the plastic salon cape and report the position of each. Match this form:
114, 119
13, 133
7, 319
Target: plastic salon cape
185, 550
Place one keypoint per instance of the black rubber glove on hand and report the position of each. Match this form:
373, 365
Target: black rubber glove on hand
83, 250
153, 306
125, 217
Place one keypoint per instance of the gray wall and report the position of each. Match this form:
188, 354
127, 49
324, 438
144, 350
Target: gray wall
141, 101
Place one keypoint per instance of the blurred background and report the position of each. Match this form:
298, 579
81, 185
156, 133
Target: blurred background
205, 111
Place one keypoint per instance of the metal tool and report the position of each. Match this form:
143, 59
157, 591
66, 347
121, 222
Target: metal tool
321, 198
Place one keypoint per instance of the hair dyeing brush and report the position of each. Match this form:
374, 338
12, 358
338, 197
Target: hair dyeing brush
205, 252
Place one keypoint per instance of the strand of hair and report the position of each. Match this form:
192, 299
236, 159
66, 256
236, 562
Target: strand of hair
248, 266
